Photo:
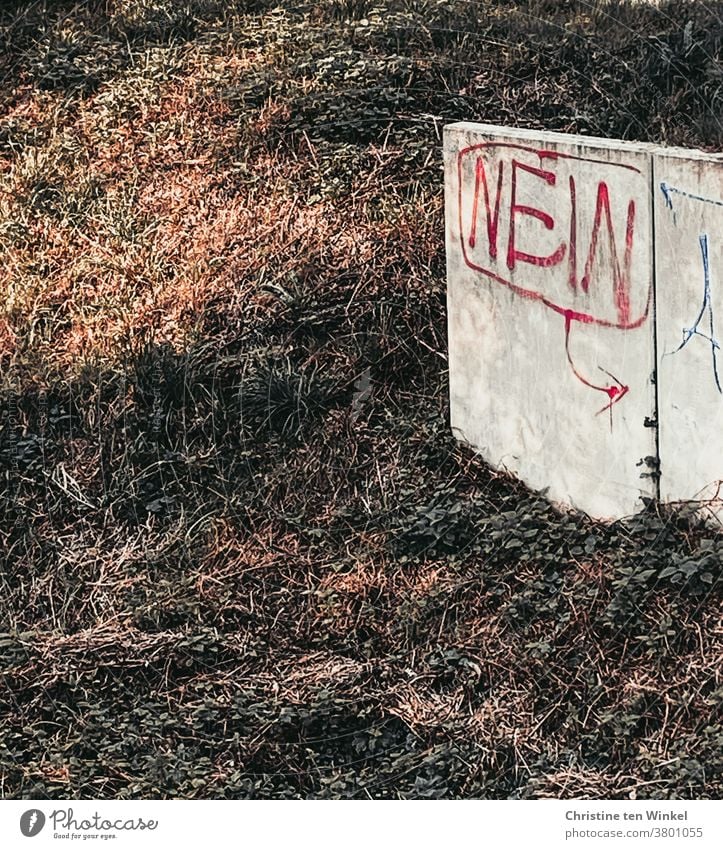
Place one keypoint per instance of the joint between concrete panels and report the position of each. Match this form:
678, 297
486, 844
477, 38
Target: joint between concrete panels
654, 307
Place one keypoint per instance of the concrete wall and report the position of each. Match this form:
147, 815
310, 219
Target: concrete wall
689, 270
551, 304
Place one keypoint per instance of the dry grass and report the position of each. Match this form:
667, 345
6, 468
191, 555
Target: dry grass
243, 556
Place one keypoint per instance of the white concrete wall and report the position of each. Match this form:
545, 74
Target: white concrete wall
551, 344
585, 300
688, 195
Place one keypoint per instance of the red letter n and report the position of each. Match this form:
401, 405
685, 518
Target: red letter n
492, 218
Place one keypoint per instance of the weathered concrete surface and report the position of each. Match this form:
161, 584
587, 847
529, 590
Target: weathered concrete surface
551, 346
688, 190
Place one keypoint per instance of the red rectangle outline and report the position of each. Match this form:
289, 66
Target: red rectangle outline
531, 294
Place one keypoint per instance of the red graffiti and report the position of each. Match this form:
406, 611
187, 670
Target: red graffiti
610, 308
621, 278
572, 256
492, 218
584, 219
615, 391
512, 253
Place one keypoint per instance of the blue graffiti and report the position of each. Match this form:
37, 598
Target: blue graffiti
707, 306
669, 191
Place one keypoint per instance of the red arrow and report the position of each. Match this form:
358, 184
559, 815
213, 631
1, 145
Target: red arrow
614, 391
